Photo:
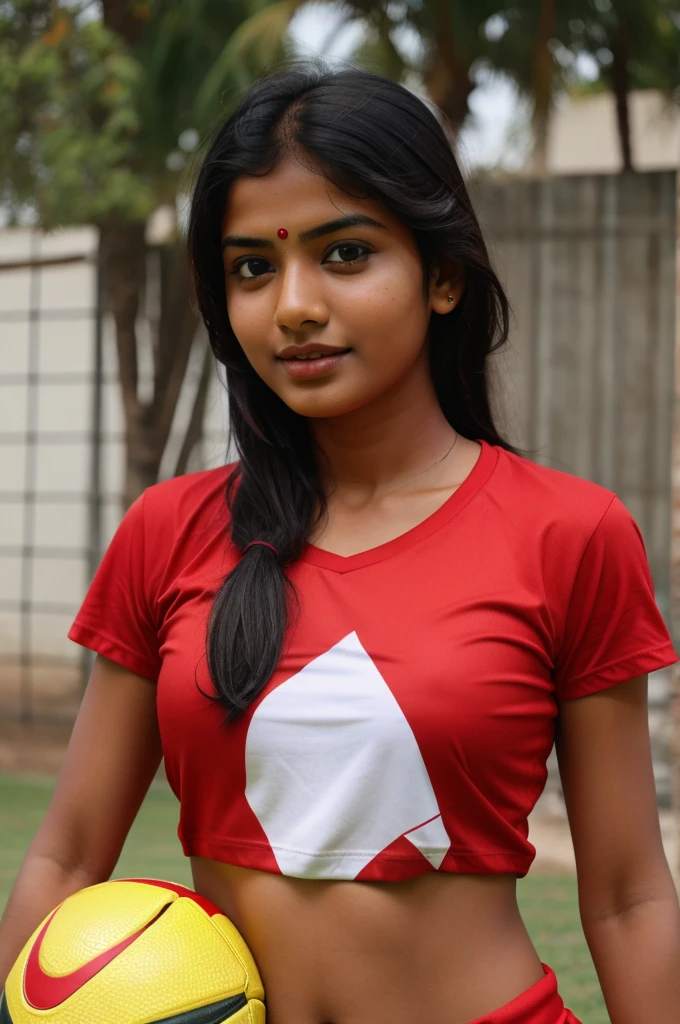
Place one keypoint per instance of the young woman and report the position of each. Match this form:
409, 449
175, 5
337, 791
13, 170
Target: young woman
356, 645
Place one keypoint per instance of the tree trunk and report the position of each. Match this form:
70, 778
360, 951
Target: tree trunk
194, 432
447, 78
123, 253
674, 710
674, 755
126, 19
147, 423
454, 102
542, 86
620, 83
540, 123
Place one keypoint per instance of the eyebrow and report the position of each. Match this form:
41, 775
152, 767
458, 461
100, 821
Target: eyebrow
305, 236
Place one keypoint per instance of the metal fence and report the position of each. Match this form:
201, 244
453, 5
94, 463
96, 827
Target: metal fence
61, 452
23, 440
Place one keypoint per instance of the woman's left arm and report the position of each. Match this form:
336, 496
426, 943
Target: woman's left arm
627, 898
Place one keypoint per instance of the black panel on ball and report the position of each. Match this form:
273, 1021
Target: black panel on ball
214, 1013
4, 1011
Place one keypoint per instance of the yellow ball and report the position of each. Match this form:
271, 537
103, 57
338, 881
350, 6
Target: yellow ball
134, 951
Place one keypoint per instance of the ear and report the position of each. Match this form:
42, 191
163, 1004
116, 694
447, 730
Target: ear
445, 281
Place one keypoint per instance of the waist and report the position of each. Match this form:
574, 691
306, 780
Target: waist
334, 951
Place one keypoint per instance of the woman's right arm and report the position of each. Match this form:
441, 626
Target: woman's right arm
112, 757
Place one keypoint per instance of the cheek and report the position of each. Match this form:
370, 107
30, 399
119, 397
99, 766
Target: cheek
388, 316
388, 293
250, 323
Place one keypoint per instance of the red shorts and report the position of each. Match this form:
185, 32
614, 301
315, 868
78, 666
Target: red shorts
540, 1004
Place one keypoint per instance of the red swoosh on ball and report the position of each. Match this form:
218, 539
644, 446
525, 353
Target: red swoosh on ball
45, 991
210, 908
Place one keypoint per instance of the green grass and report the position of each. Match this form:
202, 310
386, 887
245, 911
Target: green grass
152, 849
548, 903
549, 906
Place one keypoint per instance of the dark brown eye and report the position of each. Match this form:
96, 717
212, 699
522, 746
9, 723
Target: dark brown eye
348, 249
349, 253
258, 261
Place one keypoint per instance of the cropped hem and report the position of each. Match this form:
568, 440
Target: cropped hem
618, 672
96, 640
260, 857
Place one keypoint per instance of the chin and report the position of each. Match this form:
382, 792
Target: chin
316, 404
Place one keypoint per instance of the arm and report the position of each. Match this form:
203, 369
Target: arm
627, 899
112, 757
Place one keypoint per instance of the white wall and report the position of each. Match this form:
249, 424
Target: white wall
584, 135
64, 347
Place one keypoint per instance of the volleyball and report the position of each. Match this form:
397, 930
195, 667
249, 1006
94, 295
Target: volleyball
134, 951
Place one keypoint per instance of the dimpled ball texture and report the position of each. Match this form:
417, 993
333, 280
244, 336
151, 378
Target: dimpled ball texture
134, 951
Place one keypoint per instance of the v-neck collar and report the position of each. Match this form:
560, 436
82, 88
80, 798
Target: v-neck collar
473, 482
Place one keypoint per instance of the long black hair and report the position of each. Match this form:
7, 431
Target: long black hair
370, 134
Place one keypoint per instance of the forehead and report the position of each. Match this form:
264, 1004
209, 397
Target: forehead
292, 194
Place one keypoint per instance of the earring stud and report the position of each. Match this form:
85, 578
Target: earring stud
450, 298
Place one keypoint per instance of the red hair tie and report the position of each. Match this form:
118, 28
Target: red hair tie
266, 544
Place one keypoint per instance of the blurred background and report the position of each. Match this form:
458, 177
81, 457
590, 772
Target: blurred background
565, 116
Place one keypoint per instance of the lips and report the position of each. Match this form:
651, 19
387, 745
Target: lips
311, 355
314, 369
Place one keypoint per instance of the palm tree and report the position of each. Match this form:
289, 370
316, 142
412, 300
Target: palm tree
182, 53
524, 48
450, 33
98, 119
636, 44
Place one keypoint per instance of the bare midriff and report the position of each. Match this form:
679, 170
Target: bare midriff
442, 947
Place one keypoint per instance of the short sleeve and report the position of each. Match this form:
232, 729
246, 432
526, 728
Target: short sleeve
116, 618
613, 629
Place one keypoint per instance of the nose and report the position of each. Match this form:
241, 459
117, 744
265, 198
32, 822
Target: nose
300, 298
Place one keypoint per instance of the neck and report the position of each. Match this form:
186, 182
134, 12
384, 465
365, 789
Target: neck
373, 449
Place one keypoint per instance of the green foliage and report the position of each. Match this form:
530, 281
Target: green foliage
259, 41
645, 32
69, 124
97, 127
549, 908
98, 123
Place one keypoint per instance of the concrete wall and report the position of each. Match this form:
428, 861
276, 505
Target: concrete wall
584, 135
47, 332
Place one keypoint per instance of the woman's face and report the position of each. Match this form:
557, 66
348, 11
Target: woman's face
356, 287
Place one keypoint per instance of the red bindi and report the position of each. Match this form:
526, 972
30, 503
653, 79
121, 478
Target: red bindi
282, 233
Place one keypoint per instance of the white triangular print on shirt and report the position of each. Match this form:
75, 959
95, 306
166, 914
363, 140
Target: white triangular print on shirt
333, 771
431, 839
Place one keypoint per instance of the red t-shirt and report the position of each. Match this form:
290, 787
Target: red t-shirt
408, 723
